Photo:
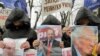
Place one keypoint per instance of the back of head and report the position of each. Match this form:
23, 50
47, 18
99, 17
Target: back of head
85, 13
51, 20
17, 15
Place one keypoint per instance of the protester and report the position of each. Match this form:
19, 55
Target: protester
18, 26
86, 17
66, 36
50, 20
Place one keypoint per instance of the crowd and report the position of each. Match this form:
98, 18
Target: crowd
18, 26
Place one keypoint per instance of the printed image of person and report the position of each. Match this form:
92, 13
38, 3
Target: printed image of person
51, 42
51, 47
84, 41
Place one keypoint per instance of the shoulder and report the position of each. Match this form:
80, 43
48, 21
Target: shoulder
74, 51
55, 41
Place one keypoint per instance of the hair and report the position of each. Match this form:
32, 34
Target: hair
78, 31
51, 29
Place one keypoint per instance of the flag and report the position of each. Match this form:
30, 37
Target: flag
15, 3
92, 4
21, 4
8, 3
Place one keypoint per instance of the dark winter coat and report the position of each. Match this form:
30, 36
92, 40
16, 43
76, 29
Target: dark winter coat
51, 20
23, 31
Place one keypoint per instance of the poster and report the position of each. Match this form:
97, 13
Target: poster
50, 37
66, 51
13, 47
42, 32
84, 40
16, 43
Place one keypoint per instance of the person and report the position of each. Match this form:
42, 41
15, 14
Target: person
84, 41
18, 26
66, 36
50, 20
86, 17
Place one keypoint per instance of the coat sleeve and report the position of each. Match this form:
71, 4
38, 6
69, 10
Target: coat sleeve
32, 36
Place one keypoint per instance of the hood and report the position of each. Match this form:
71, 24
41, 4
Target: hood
51, 20
17, 14
86, 13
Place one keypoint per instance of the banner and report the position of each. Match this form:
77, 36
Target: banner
51, 6
42, 31
4, 13
92, 4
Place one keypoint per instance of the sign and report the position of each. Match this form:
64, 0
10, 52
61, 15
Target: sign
14, 45
66, 51
4, 13
50, 6
42, 31
31, 52
92, 4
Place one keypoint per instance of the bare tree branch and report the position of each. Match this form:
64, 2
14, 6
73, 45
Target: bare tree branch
37, 18
64, 18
